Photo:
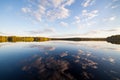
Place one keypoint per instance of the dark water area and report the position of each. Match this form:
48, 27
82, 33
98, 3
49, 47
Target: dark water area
60, 60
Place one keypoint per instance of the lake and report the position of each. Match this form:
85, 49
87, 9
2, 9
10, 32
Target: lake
60, 60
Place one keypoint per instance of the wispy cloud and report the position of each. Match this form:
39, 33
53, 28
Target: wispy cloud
1, 33
26, 10
49, 9
112, 18
43, 31
64, 24
102, 32
87, 3
113, 4
78, 20
94, 33
89, 14
86, 18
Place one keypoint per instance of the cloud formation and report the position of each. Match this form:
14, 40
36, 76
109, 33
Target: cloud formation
1, 33
49, 9
64, 24
112, 18
100, 33
47, 30
87, 3
89, 14
94, 33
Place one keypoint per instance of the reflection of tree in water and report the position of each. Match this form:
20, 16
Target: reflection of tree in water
3, 44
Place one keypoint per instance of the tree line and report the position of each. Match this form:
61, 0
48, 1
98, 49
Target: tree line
80, 39
22, 39
114, 39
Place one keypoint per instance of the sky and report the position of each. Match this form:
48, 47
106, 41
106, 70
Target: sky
60, 18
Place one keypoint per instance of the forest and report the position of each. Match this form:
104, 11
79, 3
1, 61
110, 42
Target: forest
112, 39
22, 39
115, 39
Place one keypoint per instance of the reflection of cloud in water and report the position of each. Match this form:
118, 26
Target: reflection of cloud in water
49, 69
64, 54
87, 76
88, 54
58, 67
110, 59
80, 51
43, 47
115, 49
83, 59
102, 45
113, 74
67, 65
89, 63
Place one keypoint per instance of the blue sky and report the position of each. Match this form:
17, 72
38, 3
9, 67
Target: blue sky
60, 18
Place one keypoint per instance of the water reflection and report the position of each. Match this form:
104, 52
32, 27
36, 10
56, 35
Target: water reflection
62, 60
96, 45
57, 68
42, 47
4, 44
53, 64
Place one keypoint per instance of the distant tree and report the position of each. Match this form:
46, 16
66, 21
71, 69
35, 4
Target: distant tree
114, 39
3, 39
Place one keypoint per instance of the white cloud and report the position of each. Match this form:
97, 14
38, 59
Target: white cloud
58, 3
68, 2
114, 6
86, 18
87, 3
39, 13
64, 24
44, 31
48, 9
1, 33
91, 23
103, 33
26, 10
4, 34
95, 33
87, 24
77, 18
59, 13
112, 18
89, 15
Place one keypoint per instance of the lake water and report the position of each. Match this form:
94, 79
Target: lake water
60, 60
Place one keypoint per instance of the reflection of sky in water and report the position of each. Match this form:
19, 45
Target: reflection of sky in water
60, 61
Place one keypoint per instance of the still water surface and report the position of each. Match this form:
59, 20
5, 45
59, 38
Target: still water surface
60, 60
